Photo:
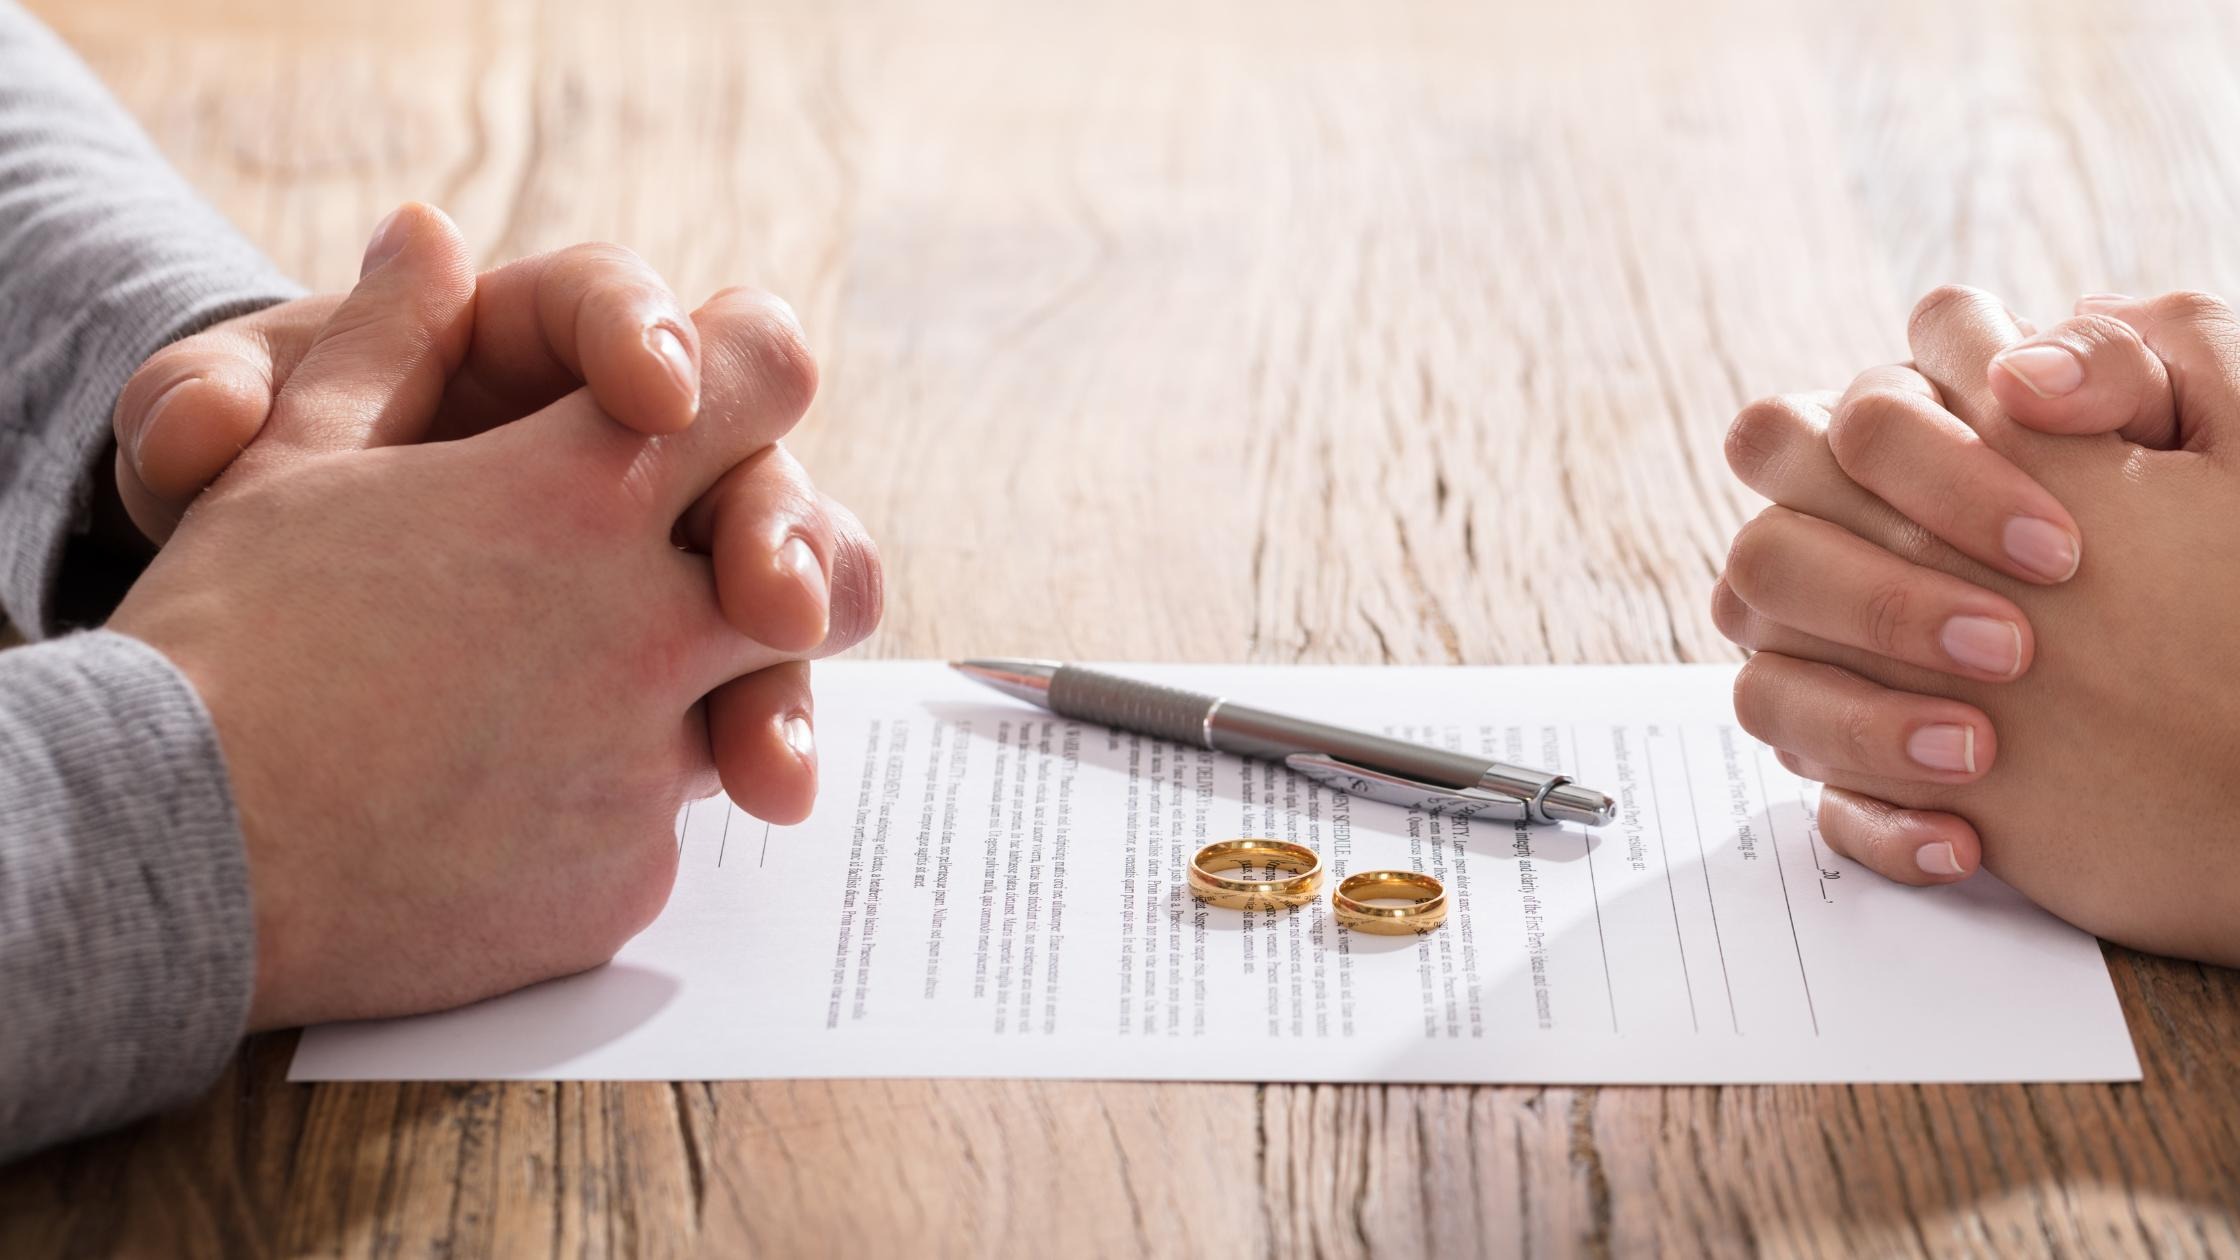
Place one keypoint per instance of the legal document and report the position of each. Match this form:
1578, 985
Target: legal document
986, 889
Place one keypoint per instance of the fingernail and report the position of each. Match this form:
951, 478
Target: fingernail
2042, 547
800, 738
1984, 643
2104, 299
156, 409
1944, 747
797, 558
388, 241
1938, 859
2048, 371
668, 347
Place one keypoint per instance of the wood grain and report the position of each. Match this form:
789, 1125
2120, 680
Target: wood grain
1386, 333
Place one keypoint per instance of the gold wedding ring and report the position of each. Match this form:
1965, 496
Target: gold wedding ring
1426, 898
1231, 892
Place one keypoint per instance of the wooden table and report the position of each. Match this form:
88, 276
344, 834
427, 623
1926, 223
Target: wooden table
1371, 333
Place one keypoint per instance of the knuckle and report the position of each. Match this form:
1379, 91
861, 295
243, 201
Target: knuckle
759, 339
858, 588
1750, 558
1912, 541
2192, 306
1872, 812
789, 373
763, 491
602, 254
1758, 436
1753, 698
1863, 429
1871, 832
1883, 616
2092, 332
1731, 616
1846, 820
784, 478
1856, 734
1942, 304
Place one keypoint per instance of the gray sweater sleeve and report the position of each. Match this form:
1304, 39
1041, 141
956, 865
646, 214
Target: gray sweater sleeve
105, 256
127, 949
126, 953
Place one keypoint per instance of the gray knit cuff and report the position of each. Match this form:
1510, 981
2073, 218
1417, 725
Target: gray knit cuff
127, 936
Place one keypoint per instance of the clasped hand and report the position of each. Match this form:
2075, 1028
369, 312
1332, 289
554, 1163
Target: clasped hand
469, 634
1991, 609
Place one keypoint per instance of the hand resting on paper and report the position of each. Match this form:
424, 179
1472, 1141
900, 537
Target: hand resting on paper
1933, 639
463, 687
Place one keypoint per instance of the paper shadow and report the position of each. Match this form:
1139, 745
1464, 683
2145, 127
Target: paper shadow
571, 1017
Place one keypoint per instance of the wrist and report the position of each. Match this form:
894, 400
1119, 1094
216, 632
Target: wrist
253, 785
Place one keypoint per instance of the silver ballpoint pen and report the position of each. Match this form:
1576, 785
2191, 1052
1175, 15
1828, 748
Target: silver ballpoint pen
1360, 764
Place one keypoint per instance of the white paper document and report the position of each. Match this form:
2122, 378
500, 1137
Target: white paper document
989, 890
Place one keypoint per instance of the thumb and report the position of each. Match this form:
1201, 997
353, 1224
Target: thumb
379, 367
199, 402
2091, 374
183, 417
2196, 338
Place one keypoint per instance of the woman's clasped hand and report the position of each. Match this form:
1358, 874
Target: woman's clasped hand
1991, 609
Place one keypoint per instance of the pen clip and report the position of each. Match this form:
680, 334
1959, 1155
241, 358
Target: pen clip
1392, 789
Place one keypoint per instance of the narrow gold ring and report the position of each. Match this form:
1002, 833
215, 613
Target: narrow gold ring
1232, 893
1428, 898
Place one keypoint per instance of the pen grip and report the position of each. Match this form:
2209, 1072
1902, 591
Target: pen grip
1166, 712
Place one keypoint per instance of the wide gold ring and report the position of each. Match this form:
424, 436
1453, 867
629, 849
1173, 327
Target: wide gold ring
1233, 893
1427, 898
